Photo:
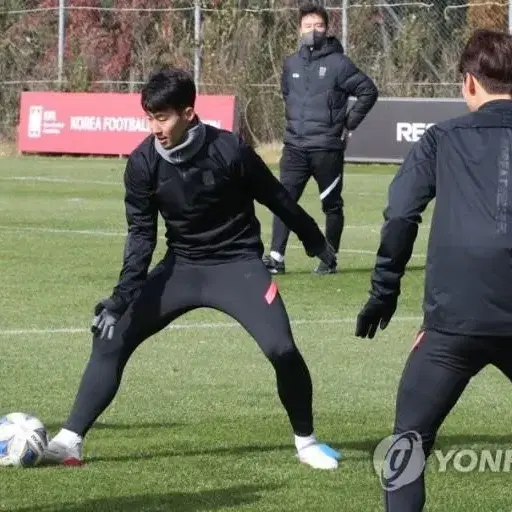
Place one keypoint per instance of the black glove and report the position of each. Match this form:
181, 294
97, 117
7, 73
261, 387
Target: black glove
325, 252
106, 314
345, 136
374, 313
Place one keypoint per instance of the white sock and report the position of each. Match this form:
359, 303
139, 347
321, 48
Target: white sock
302, 442
278, 257
67, 437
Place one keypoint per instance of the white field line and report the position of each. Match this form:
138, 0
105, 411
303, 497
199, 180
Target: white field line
69, 179
59, 231
58, 179
200, 325
93, 232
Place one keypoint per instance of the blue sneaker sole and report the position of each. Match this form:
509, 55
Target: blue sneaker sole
330, 452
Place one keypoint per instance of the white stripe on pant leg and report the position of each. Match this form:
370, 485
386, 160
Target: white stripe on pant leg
330, 188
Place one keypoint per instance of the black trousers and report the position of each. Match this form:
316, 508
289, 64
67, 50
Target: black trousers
242, 289
436, 373
296, 168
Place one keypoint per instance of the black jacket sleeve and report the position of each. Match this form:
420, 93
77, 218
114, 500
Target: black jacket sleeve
362, 87
267, 190
142, 220
413, 187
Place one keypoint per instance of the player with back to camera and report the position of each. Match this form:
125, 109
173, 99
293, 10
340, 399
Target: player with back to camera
203, 181
465, 164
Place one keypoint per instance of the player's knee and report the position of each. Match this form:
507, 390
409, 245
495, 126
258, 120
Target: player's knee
416, 438
105, 348
333, 208
282, 354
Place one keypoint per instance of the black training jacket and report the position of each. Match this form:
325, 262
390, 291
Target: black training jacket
207, 205
466, 164
316, 86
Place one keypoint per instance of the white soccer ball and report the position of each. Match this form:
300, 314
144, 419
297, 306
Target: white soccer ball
23, 439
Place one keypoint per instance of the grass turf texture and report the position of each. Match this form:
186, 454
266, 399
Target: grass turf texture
197, 425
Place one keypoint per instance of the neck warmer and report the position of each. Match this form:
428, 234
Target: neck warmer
192, 142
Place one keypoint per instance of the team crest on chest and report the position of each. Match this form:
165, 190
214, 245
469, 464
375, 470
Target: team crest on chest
208, 179
321, 71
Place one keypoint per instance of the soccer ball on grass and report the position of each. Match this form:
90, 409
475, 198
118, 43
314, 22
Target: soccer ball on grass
23, 439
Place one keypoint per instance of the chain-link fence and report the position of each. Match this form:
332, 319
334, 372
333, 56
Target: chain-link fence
234, 47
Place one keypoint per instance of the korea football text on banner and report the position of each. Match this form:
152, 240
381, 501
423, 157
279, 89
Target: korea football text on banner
99, 123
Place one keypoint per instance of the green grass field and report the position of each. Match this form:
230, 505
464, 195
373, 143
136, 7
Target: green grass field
197, 425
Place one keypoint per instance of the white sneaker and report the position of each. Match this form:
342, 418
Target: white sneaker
66, 454
313, 455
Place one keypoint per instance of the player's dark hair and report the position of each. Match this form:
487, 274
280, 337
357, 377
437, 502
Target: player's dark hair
170, 88
311, 8
488, 57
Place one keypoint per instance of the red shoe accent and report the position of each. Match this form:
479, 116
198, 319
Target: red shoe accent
72, 461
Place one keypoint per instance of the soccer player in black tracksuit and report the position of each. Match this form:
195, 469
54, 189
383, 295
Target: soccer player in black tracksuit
316, 83
203, 181
466, 164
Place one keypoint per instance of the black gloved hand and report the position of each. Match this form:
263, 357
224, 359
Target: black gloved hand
106, 314
374, 313
345, 136
324, 251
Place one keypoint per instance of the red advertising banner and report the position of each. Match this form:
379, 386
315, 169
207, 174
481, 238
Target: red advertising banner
99, 123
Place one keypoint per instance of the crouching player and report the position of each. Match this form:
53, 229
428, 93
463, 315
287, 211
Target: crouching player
203, 181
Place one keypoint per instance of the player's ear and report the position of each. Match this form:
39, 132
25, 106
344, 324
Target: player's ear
468, 87
189, 114
471, 84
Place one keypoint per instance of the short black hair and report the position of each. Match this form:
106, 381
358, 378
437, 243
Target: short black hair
488, 57
312, 8
169, 88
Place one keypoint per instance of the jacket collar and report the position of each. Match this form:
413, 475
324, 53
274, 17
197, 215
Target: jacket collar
331, 45
496, 105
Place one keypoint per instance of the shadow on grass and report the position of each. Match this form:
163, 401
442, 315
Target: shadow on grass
343, 271
366, 446
442, 442
470, 440
231, 497
122, 426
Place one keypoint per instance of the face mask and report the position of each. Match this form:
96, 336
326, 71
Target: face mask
313, 38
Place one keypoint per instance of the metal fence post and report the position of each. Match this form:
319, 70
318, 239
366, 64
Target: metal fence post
197, 42
510, 16
60, 53
344, 26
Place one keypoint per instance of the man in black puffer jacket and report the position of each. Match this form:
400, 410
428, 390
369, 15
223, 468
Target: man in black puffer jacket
316, 84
